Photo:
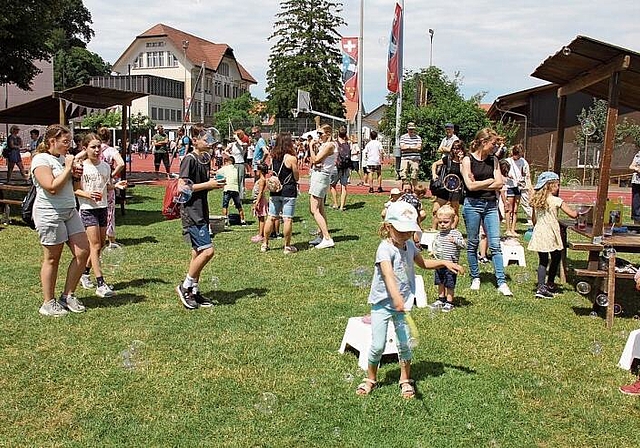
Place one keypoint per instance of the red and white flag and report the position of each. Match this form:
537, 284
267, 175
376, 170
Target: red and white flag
349, 47
394, 63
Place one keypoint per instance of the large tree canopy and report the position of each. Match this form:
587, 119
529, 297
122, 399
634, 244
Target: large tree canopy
32, 30
306, 55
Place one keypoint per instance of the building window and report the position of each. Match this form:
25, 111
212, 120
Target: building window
139, 61
235, 91
154, 113
175, 59
227, 90
179, 115
218, 88
167, 114
160, 114
161, 59
224, 69
154, 44
173, 115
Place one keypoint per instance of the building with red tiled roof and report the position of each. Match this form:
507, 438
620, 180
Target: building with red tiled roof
186, 76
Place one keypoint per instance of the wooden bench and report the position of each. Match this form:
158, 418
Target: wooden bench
15, 190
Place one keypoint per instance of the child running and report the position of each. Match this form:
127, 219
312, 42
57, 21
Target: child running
91, 191
546, 239
260, 203
446, 246
393, 284
231, 188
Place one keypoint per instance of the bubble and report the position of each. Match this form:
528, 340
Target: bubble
583, 288
574, 184
383, 41
267, 403
413, 342
493, 443
321, 271
112, 257
582, 200
636, 317
133, 357
215, 283
185, 191
593, 315
617, 309
361, 277
522, 277
336, 432
348, 377
433, 312
596, 348
602, 300
566, 51
304, 224
608, 251
469, 426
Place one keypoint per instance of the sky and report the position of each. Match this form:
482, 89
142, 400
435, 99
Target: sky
493, 45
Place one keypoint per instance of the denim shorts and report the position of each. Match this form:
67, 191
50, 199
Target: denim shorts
229, 196
94, 217
282, 205
443, 276
55, 227
514, 191
198, 237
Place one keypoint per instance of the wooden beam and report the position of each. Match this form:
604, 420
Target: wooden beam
595, 75
125, 143
560, 124
62, 118
607, 154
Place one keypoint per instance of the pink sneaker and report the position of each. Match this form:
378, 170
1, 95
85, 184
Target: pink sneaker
631, 389
256, 239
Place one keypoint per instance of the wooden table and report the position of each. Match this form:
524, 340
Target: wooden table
628, 242
15, 191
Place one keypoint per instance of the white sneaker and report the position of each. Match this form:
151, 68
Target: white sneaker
86, 282
475, 284
504, 289
104, 291
325, 243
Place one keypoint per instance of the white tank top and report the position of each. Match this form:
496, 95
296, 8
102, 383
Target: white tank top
328, 165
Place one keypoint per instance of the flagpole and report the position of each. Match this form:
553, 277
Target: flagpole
360, 70
396, 151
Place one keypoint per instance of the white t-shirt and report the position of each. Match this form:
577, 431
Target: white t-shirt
447, 142
373, 151
65, 198
355, 152
328, 165
94, 178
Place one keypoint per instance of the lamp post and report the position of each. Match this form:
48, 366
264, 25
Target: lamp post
185, 45
431, 32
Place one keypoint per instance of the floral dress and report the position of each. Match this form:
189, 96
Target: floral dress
546, 233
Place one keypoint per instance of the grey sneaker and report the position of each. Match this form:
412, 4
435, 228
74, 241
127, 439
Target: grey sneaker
105, 291
543, 293
186, 298
72, 303
447, 307
86, 282
53, 309
202, 301
316, 241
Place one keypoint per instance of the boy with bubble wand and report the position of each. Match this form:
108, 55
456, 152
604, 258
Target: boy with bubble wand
194, 178
392, 286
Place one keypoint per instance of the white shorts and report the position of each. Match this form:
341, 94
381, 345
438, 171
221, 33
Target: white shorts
55, 227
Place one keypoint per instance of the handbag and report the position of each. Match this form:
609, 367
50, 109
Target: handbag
27, 207
273, 183
436, 184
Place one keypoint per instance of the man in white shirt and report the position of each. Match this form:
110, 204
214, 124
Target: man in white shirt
447, 141
411, 148
373, 155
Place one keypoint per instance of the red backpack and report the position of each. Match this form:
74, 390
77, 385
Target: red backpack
170, 208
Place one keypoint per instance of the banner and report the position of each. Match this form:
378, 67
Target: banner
349, 46
394, 64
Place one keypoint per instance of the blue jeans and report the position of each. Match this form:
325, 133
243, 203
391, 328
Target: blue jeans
475, 212
380, 317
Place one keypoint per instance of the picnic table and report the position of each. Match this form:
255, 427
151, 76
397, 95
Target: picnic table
11, 194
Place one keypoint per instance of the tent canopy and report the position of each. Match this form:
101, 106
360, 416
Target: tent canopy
75, 102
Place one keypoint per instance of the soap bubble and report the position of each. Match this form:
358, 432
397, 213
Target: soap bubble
321, 271
522, 277
133, 357
617, 309
574, 184
636, 317
596, 348
112, 257
361, 277
336, 432
185, 191
583, 288
608, 251
593, 315
602, 300
383, 41
266, 403
215, 283
348, 377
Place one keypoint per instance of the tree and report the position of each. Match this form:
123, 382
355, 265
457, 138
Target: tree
597, 114
442, 103
239, 111
141, 124
74, 67
29, 30
109, 119
306, 55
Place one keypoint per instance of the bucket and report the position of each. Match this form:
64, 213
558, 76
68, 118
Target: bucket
216, 224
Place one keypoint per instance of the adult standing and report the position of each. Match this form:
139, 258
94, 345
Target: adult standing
355, 157
411, 149
35, 140
343, 164
450, 163
449, 138
373, 151
160, 143
238, 151
283, 202
483, 180
323, 163
14, 144
517, 187
57, 221
260, 151
525, 185
635, 188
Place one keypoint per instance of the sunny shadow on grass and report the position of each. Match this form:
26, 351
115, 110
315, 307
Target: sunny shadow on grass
262, 367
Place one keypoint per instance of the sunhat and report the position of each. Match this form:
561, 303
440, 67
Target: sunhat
395, 191
543, 178
402, 216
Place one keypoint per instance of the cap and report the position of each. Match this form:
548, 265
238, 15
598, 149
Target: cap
449, 125
543, 178
402, 216
411, 125
395, 191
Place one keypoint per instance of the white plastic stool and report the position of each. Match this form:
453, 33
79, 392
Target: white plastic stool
427, 239
512, 252
358, 336
421, 295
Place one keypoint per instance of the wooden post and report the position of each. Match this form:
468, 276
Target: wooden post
605, 163
61, 112
560, 124
123, 148
611, 290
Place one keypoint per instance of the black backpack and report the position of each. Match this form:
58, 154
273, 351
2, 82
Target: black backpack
344, 156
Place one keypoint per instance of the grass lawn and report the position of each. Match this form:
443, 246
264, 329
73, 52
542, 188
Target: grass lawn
262, 368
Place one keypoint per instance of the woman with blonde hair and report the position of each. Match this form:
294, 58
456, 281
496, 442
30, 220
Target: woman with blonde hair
323, 163
57, 221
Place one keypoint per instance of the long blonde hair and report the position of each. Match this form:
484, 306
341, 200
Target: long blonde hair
53, 131
539, 199
482, 136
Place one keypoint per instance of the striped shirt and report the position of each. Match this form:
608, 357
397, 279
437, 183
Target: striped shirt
415, 143
447, 245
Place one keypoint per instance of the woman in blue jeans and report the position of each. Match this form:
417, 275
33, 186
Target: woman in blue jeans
483, 180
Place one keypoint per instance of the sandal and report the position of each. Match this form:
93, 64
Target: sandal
406, 389
366, 387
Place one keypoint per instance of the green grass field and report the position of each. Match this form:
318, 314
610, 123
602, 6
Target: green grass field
262, 368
